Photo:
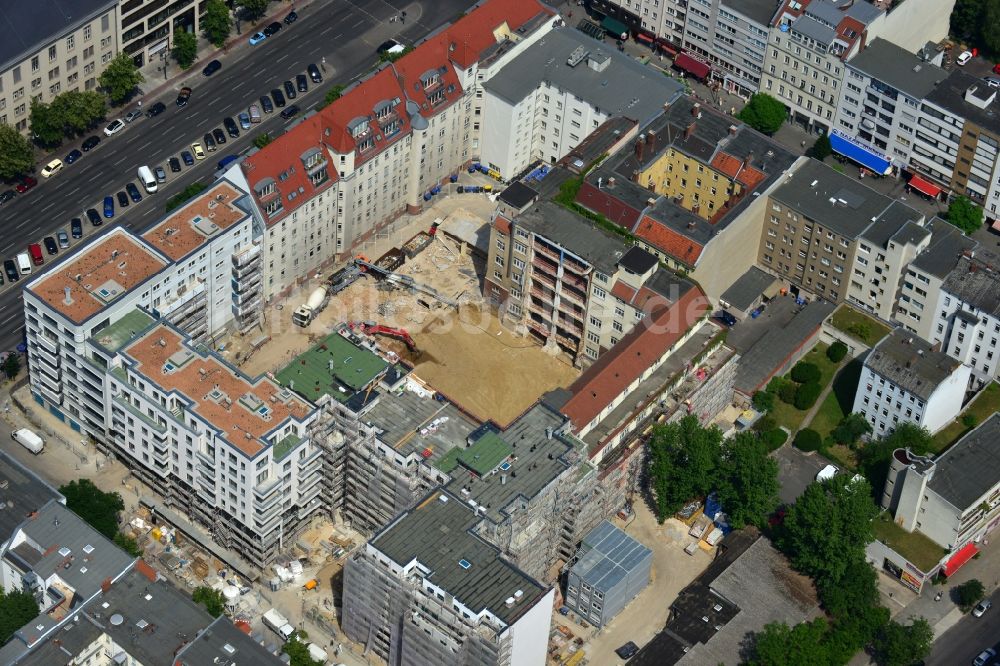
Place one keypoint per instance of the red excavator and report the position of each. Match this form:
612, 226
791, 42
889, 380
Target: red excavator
373, 328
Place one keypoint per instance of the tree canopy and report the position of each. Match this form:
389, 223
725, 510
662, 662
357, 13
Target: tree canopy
903, 645
97, 508
764, 113
874, 457
332, 95
850, 429
12, 365
975, 21
821, 149
217, 23
212, 600
964, 214
120, 78
45, 125
70, 113
781, 645
298, 651
185, 48
253, 9
747, 481
17, 157
682, 461
16, 610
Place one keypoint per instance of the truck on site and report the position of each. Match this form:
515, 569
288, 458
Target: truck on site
316, 653
279, 624
28, 440
304, 315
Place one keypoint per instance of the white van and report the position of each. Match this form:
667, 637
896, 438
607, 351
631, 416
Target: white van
147, 179
24, 263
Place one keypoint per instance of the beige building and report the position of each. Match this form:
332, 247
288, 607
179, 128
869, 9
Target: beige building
148, 26
58, 47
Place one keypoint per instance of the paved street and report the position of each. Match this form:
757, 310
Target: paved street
346, 33
970, 636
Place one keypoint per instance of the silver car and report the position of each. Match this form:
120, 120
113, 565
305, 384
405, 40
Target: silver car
245, 120
63, 239
132, 115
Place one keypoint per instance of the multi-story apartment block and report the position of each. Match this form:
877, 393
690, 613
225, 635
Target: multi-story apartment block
732, 36
920, 291
905, 379
149, 26
427, 589
691, 191
659, 22
53, 49
954, 499
545, 101
880, 104
818, 219
967, 316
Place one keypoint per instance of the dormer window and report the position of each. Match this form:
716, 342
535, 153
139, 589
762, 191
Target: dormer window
358, 127
383, 110
273, 206
391, 128
430, 79
312, 157
367, 144
436, 97
265, 187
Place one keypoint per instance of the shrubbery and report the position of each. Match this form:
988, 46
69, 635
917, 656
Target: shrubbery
836, 352
805, 373
807, 395
808, 440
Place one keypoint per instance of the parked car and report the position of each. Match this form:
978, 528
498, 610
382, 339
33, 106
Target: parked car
390, 46
132, 115
115, 126
109, 206
289, 90
982, 607
90, 143
63, 239
183, 96
992, 81
7, 195
211, 68
726, 318
76, 227
133, 192
226, 161
963, 58
279, 98
984, 657
219, 136
996, 68
209, 142
265, 104
199, 153
50, 245
156, 110
627, 651
35, 250
302, 83
175, 164
827, 473
10, 268
187, 157
231, 127
291, 18
161, 174
254, 112
123, 199
272, 29
314, 73
94, 217
52, 168
290, 112
257, 38
25, 184
244, 118
73, 156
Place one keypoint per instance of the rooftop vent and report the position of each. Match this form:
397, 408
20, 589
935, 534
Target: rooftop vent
577, 56
117, 620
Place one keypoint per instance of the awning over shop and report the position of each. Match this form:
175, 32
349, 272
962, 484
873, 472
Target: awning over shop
666, 46
696, 68
857, 152
644, 38
964, 554
615, 27
924, 187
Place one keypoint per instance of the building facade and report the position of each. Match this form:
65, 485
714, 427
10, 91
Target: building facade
732, 36
148, 27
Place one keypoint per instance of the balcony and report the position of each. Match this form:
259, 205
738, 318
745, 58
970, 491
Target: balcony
538, 327
247, 256
242, 309
54, 397
239, 272
42, 354
46, 343
545, 280
251, 281
574, 281
267, 488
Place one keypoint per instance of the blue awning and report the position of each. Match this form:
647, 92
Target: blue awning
854, 151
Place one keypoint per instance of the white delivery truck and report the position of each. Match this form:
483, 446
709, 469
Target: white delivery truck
147, 179
279, 624
28, 440
316, 653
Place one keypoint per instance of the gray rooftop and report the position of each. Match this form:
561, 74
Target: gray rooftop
403, 415
537, 461
31, 26
950, 95
222, 641
970, 468
758, 11
575, 233
747, 289
975, 282
437, 533
624, 87
947, 245
839, 203
608, 556
23, 492
895, 225
897, 67
832, 12
815, 30
911, 363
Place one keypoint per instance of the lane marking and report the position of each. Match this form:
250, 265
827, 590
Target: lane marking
282, 58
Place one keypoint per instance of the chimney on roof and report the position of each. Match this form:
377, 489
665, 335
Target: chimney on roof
611, 181
696, 110
640, 146
689, 130
68, 300
651, 141
749, 159
733, 129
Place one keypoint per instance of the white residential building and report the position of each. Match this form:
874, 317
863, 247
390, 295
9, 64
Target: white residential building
884, 251
663, 20
906, 380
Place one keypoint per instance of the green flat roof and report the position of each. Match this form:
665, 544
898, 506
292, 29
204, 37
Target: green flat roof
285, 446
115, 336
449, 461
486, 454
312, 375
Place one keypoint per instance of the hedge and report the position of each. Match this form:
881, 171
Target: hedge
773, 439
836, 352
808, 440
788, 391
805, 373
807, 395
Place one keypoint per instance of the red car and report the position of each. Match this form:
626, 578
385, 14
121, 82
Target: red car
25, 184
996, 68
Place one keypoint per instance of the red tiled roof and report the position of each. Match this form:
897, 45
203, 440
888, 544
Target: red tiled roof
736, 168
502, 224
634, 354
669, 241
430, 59
360, 102
478, 30
623, 291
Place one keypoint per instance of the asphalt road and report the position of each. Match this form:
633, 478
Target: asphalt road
970, 636
345, 32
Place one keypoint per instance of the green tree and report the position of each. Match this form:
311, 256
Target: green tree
902, 645
262, 140
763, 113
217, 24
850, 429
17, 609
970, 421
253, 9
185, 48
804, 372
46, 125
80, 111
765, 423
964, 214
828, 528
212, 600
787, 392
763, 401
748, 480
332, 95
836, 352
822, 148
773, 439
807, 395
781, 645
17, 157
97, 508
120, 78
874, 457
128, 544
12, 365
966, 19
989, 36
297, 650
683, 457
969, 593
808, 440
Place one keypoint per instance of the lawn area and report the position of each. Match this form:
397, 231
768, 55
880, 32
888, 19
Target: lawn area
913, 545
840, 455
987, 402
858, 325
787, 415
840, 401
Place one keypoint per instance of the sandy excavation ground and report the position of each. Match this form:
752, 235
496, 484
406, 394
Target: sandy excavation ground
485, 368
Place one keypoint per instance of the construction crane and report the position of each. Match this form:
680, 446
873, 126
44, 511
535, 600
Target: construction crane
405, 280
373, 328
